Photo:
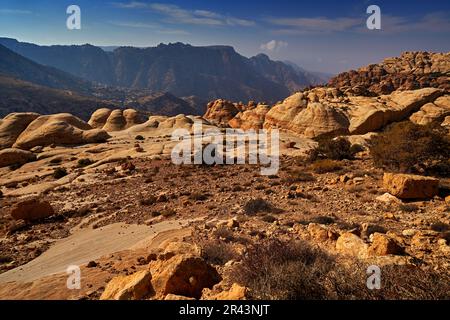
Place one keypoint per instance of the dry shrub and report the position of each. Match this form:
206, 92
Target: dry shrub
335, 149
326, 165
275, 269
217, 252
258, 205
410, 148
296, 175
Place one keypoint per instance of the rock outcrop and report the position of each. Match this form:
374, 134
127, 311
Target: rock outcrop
99, 118
63, 129
250, 119
13, 156
322, 111
410, 71
220, 112
12, 126
132, 287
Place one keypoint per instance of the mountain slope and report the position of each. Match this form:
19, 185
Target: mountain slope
16, 66
21, 96
183, 70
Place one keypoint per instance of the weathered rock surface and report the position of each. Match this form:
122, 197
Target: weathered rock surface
13, 125
220, 112
432, 112
184, 275
408, 186
250, 119
350, 244
383, 245
132, 287
410, 71
32, 209
99, 118
12, 156
62, 128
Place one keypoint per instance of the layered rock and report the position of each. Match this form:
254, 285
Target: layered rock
62, 128
250, 119
435, 111
410, 71
99, 118
323, 111
12, 126
220, 112
12, 156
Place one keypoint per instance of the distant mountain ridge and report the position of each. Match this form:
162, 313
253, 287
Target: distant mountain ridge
16, 66
183, 70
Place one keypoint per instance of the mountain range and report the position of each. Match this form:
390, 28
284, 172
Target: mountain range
208, 72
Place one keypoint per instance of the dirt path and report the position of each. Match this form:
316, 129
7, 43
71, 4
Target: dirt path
90, 244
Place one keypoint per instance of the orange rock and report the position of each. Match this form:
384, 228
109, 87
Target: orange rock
133, 287
32, 209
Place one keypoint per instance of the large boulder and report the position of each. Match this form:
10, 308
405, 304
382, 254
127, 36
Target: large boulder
383, 245
184, 275
31, 209
250, 119
119, 120
220, 112
433, 111
408, 186
13, 125
13, 156
132, 287
99, 117
371, 114
350, 244
59, 129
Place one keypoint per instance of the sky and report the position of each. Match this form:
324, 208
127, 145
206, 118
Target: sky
326, 36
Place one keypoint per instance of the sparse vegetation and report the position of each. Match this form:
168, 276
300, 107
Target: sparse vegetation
326, 165
255, 206
84, 162
410, 148
276, 269
59, 173
217, 252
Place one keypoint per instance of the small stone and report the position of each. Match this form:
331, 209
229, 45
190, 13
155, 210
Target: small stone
91, 264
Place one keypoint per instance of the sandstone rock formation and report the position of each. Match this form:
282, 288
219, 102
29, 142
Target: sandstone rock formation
350, 244
32, 209
57, 129
12, 126
116, 120
410, 71
132, 287
12, 156
408, 186
323, 111
250, 119
220, 112
185, 275
435, 111
99, 117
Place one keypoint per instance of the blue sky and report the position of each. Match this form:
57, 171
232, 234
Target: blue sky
327, 36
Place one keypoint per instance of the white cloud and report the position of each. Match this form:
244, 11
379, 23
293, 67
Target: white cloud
274, 45
176, 14
431, 22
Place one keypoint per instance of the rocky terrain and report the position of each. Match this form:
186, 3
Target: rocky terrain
363, 181
412, 70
